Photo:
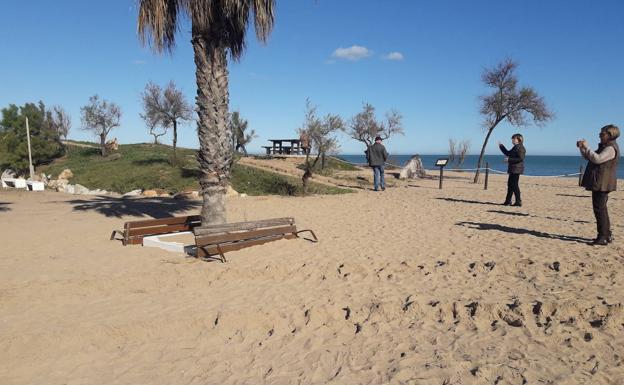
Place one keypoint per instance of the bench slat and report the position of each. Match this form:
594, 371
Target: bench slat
243, 235
207, 251
164, 221
155, 230
239, 226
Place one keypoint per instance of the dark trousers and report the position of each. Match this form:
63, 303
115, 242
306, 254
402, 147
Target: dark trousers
599, 203
513, 188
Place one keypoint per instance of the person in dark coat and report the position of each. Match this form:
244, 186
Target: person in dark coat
600, 178
376, 155
515, 160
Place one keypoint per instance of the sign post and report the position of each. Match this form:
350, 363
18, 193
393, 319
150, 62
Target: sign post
441, 163
30, 165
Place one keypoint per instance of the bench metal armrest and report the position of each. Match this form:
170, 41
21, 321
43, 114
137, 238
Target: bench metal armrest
309, 231
112, 237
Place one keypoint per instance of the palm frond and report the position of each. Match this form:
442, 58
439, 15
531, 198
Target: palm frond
158, 23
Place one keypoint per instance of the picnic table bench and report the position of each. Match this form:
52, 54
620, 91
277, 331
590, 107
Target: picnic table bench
295, 147
214, 240
134, 231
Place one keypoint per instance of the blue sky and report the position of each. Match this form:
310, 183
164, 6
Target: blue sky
336, 53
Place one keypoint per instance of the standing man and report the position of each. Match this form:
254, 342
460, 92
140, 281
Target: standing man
376, 155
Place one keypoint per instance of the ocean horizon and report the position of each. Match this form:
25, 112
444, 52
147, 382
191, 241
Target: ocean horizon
535, 165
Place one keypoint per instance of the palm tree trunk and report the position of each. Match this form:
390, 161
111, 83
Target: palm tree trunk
487, 137
215, 150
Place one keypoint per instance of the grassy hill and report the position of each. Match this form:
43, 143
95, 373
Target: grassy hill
148, 166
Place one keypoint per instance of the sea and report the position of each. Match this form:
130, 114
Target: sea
535, 165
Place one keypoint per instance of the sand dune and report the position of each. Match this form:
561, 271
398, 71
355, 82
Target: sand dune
414, 285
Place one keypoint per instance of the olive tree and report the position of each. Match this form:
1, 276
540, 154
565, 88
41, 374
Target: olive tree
100, 116
60, 121
364, 126
166, 109
320, 134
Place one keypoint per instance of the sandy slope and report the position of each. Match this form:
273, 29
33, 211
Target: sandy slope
410, 286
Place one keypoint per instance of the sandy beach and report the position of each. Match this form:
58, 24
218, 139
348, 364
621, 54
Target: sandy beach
414, 285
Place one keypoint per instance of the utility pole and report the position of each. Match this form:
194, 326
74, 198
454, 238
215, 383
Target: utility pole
30, 165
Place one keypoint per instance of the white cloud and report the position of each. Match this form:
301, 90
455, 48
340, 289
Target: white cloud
353, 53
397, 56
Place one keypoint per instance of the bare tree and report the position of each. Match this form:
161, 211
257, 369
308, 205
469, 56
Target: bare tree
165, 108
320, 133
100, 117
157, 134
464, 147
452, 152
240, 139
61, 121
364, 126
507, 102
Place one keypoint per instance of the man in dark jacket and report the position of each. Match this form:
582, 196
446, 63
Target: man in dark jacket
601, 178
376, 155
515, 160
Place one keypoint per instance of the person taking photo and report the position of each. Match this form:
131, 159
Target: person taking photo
600, 178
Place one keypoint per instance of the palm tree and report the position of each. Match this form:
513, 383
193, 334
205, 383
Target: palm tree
240, 139
218, 27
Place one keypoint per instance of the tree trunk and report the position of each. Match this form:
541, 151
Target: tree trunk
103, 144
244, 149
175, 138
306, 175
487, 137
323, 161
215, 150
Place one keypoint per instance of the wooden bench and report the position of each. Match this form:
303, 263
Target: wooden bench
215, 240
134, 231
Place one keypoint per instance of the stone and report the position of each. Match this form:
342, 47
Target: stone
413, 169
133, 193
150, 193
79, 189
68, 188
67, 174
58, 185
112, 145
44, 178
231, 192
187, 195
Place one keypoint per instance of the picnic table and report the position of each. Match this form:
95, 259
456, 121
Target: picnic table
285, 146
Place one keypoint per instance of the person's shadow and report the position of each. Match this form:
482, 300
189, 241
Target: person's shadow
468, 201
4, 206
139, 207
517, 230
